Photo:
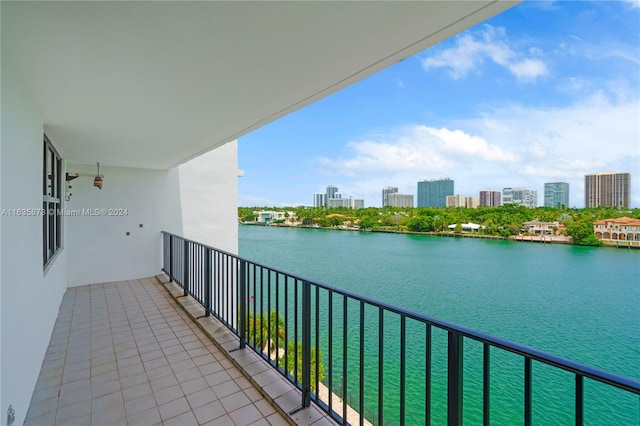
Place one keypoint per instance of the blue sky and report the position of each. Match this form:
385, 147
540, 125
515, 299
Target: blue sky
545, 92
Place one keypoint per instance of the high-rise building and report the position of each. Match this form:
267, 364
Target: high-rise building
455, 200
462, 201
521, 196
331, 192
489, 198
607, 189
385, 194
433, 193
472, 202
319, 200
556, 194
352, 203
400, 200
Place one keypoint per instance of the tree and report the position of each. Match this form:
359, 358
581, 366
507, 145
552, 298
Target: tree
420, 224
440, 224
490, 228
249, 217
336, 220
458, 228
264, 331
294, 364
581, 232
264, 328
368, 223
514, 228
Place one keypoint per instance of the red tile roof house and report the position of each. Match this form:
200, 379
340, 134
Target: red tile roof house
619, 231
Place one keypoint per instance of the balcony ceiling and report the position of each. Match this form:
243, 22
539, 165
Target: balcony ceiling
154, 84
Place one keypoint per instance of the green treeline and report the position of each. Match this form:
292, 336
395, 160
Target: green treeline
503, 221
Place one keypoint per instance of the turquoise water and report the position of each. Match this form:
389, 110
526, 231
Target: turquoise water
580, 303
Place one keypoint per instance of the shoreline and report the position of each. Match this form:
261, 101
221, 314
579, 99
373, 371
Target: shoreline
540, 239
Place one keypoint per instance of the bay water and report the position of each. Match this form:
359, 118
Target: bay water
580, 303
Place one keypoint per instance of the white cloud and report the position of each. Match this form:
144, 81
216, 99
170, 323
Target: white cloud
510, 146
633, 3
594, 128
470, 52
528, 70
417, 148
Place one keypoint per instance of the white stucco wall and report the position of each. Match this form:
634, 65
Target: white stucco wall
98, 246
209, 193
29, 298
95, 247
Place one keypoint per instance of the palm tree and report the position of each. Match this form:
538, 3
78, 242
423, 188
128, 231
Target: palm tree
267, 332
264, 330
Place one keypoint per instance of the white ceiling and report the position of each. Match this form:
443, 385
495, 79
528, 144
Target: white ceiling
154, 84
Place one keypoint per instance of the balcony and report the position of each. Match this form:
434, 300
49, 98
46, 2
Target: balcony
126, 353
222, 340
142, 88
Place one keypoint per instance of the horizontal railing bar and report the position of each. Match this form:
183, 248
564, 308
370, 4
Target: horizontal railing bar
616, 380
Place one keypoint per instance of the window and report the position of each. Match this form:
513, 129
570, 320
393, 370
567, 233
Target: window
51, 203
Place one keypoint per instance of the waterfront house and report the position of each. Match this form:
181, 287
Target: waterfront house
467, 227
622, 229
536, 227
269, 216
142, 88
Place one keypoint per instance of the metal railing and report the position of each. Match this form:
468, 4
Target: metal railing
351, 355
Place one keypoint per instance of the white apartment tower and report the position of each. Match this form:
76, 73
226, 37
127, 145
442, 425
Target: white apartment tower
386, 191
400, 200
351, 203
520, 196
331, 192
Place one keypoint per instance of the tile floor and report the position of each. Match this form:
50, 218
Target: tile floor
124, 353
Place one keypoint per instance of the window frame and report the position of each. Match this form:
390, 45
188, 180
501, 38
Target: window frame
51, 203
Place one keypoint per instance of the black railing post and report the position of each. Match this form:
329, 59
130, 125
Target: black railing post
242, 303
454, 379
306, 344
345, 352
361, 390
427, 375
486, 388
185, 278
165, 248
579, 400
527, 391
403, 367
380, 364
170, 258
207, 281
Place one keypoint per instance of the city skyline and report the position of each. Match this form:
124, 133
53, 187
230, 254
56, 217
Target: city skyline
554, 194
545, 92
